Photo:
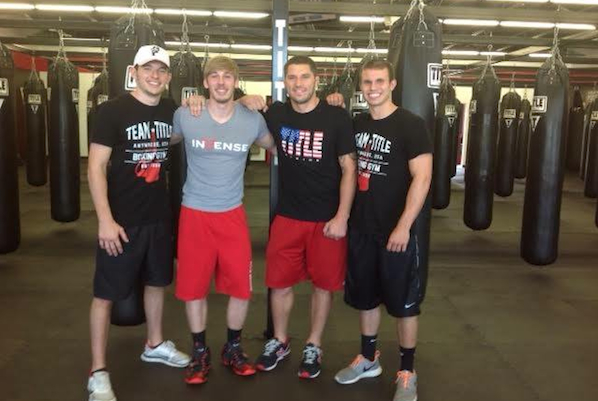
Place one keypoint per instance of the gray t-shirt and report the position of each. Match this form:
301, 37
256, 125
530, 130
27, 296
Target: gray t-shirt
216, 156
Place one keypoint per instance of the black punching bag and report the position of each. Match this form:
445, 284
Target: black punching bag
481, 152
63, 140
546, 162
97, 95
127, 35
590, 119
446, 119
35, 116
10, 225
187, 80
590, 189
575, 133
415, 51
456, 137
523, 134
507, 144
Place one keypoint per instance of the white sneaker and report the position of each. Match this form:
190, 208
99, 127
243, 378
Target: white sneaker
167, 354
99, 387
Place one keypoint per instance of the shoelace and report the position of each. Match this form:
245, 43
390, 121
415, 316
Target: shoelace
310, 354
238, 357
271, 347
199, 362
403, 378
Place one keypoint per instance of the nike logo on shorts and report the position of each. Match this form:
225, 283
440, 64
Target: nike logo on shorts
407, 306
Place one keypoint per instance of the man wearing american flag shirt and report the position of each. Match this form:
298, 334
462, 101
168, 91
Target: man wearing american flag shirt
317, 180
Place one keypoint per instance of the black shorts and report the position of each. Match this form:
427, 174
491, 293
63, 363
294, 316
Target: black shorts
376, 276
146, 257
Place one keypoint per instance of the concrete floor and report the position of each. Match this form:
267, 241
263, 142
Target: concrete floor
493, 328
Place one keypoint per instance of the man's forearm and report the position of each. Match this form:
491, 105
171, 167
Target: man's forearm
416, 196
347, 191
98, 187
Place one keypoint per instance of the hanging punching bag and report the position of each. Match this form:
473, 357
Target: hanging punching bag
415, 51
589, 120
187, 80
523, 133
481, 151
35, 115
446, 114
63, 140
129, 311
127, 35
590, 189
97, 95
546, 162
575, 133
456, 138
10, 224
507, 143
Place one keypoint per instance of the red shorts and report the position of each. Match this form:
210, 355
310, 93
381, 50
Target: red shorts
298, 250
213, 242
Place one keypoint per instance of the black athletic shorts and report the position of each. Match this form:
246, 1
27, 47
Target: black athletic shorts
146, 257
376, 276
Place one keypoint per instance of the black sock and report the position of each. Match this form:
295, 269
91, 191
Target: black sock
407, 357
233, 336
98, 370
368, 346
199, 339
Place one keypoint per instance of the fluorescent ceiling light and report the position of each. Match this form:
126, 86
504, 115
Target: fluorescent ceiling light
334, 49
582, 2
493, 54
16, 6
239, 14
86, 39
526, 24
199, 44
540, 55
62, 7
123, 10
174, 11
251, 47
355, 18
583, 27
470, 22
461, 52
301, 48
374, 51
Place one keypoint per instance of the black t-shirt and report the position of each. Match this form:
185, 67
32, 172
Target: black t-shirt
384, 148
308, 146
139, 136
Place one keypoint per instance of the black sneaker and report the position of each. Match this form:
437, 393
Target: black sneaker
234, 357
311, 363
274, 351
199, 367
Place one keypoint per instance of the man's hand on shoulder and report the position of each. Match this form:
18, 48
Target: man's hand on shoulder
336, 99
195, 103
110, 234
254, 102
336, 228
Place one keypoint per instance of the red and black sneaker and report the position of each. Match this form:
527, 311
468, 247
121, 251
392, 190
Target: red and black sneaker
274, 352
199, 367
311, 362
234, 357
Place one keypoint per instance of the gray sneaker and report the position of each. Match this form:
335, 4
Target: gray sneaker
167, 354
99, 387
360, 368
406, 386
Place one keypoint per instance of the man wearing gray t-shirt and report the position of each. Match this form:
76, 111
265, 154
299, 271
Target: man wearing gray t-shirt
213, 233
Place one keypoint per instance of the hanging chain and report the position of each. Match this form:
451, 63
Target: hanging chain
104, 59
206, 50
349, 64
412, 6
512, 86
185, 46
61, 52
422, 20
555, 52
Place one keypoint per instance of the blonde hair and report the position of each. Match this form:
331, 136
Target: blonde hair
221, 63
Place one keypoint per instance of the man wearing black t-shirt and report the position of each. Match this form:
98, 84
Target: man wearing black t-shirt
316, 154
394, 172
129, 145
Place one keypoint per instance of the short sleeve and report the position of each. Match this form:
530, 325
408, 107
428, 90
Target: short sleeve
345, 140
104, 130
418, 139
262, 127
177, 129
